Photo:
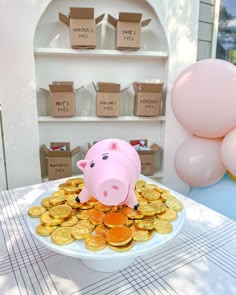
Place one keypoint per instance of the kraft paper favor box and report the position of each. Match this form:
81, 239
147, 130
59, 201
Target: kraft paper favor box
62, 99
59, 161
108, 99
147, 158
82, 25
148, 99
128, 29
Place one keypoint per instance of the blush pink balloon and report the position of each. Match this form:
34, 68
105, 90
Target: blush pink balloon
228, 151
198, 161
203, 98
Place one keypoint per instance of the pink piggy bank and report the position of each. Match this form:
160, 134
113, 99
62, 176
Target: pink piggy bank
111, 168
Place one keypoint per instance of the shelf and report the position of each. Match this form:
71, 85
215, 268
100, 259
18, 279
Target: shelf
99, 52
102, 119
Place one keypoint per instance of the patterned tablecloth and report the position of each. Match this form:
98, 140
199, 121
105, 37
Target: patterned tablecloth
200, 260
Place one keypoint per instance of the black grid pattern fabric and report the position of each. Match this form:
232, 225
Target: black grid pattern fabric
200, 260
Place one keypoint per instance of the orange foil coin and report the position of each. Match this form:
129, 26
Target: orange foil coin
96, 216
115, 219
119, 235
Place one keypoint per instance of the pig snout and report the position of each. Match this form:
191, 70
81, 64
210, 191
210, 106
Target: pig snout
112, 192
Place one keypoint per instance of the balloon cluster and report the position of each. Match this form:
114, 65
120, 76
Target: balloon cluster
203, 100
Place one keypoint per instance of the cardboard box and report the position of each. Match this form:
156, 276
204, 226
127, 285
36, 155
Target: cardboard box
147, 158
148, 99
82, 26
59, 161
62, 99
128, 29
108, 99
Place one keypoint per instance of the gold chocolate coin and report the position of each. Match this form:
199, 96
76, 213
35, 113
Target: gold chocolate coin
123, 248
131, 213
101, 230
70, 221
62, 236
150, 234
162, 226
63, 185
92, 201
95, 243
74, 181
139, 234
87, 223
150, 186
174, 204
83, 214
58, 200
85, 206
72, 202
140, 183
146, 210
81, 186
168, 215
142, 202
58, 193
36, 211
68, 190
60, 211
130, 222
74, 211
151, 195
45, 203
159, 207
144, 224
80, 232
45, 230
167, 196
46, 219
102, 207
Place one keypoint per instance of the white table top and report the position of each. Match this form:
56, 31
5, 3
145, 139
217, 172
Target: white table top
200, 260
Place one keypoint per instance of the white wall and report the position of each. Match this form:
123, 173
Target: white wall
18, 20
3, 183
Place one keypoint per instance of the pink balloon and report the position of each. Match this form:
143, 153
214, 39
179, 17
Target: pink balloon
203, 98
198, 161
228, 151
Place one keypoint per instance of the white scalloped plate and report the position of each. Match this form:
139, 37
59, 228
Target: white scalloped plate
113, 260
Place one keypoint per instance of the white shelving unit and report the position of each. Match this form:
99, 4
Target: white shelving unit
58, 62
43, 55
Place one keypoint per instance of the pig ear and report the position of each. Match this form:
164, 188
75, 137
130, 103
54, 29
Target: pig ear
114, 146
82, 164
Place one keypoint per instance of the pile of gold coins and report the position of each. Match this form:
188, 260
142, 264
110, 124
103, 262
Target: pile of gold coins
118, 227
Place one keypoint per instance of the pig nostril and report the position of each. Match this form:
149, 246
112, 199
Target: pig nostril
115, 187
105, 193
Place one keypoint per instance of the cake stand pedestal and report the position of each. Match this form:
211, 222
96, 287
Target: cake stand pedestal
107, 265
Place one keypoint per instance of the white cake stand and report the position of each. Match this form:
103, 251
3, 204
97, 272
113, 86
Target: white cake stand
105, 260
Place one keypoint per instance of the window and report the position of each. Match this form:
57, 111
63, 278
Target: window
226, 41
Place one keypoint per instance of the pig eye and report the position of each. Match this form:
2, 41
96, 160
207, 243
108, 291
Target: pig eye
105, 157
92, 165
